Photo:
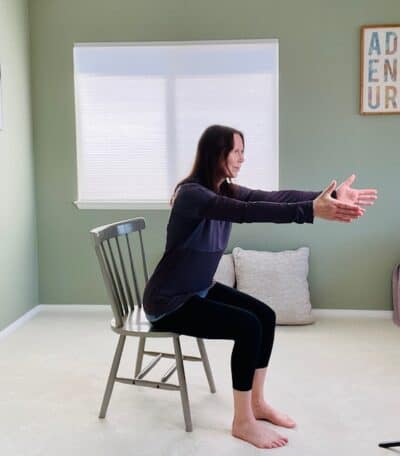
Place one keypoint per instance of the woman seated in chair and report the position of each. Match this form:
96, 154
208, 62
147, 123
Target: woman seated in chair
181, 295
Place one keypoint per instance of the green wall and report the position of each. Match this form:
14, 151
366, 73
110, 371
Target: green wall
321, 136
18, 252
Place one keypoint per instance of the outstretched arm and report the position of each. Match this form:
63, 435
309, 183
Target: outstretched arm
196, 201
281, 196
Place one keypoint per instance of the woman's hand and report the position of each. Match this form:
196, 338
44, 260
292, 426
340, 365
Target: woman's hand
329, 208
346, 194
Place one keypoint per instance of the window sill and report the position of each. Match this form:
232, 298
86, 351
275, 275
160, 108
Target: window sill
118, 205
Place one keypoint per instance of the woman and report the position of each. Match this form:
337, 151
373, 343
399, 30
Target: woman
181, 295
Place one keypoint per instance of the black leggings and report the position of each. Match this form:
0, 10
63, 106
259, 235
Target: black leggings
226, 313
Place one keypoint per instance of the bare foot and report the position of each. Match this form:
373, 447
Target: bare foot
257, 434
263, 411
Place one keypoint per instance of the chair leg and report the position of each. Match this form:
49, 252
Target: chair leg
139, 356
111, 377
182, 383
206, 364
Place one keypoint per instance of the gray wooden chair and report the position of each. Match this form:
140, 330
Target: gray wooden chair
117, 262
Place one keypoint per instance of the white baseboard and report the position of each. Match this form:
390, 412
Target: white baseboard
17, 323
54, 307
387, 314
63, 307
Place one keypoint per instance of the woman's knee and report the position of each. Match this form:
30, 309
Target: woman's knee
271, 314
267, 316
250, 327
263, 311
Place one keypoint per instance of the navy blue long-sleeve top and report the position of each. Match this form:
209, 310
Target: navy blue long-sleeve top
198, 232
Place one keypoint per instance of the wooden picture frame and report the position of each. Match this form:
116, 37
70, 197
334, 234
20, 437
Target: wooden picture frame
380, 69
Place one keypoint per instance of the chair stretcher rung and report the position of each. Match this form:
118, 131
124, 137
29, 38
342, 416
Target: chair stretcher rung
149, 383
150, 366
170, 355
168, 374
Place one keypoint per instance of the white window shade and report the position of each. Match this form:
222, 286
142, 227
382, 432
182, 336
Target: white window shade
140, 110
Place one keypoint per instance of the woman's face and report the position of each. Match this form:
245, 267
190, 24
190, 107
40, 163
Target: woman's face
235, 157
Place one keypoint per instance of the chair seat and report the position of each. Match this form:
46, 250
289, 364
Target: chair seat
136, 324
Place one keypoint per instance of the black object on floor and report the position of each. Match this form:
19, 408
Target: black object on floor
389, 444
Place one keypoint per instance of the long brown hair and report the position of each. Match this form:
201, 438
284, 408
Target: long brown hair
212, 150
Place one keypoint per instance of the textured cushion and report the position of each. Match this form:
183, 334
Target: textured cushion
277, 278
225, 272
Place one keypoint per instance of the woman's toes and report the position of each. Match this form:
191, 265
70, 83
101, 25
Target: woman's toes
282, 437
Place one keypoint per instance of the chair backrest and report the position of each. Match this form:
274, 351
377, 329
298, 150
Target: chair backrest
117, 264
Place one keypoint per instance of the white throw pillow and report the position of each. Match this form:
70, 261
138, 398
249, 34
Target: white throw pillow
279, 279
225, 272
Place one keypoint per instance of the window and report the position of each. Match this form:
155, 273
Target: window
141, 108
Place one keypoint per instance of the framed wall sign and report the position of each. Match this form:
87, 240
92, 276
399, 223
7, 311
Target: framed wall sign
380, 69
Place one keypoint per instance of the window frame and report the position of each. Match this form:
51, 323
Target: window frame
160, 204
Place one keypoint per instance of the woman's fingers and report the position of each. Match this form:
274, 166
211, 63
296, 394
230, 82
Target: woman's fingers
367, 200
348, 212
353, 214
367, 197
349, 209
365, 203
344, 218
345, 206
368, 191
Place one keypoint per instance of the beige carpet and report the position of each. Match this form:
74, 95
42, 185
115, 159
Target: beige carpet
339, 378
